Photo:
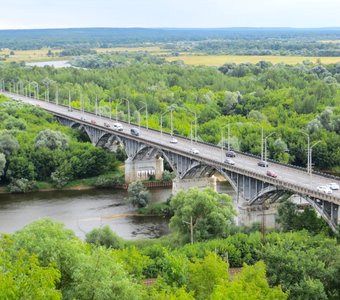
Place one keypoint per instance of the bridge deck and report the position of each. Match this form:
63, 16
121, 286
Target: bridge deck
291, 178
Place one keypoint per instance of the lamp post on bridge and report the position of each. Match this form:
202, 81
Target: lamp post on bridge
162, 121
308, 149
195, 115
222, 140
310, 162
146, 114
128, 102
265, 146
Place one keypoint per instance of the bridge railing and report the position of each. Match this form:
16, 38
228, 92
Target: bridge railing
202, 142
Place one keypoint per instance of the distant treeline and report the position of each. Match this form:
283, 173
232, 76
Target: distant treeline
243, 41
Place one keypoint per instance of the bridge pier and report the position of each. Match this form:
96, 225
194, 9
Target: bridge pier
143, 169
250, 214
185, 184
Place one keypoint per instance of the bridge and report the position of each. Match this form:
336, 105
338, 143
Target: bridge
255, 190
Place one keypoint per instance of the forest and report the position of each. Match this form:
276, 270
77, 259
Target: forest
35, 149
237, 41
279, 98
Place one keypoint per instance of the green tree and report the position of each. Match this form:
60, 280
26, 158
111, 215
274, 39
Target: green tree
211, 214
204, 275
250, 284
138, 195
2, 163
8, 144
22, 277
51, 139
104, 236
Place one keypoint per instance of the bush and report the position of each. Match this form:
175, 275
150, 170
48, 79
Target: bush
109, 181
22, 185
138, 195
104, 236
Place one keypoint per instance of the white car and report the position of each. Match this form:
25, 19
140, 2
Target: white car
173, 141
333, 186
324, 189
229, 161
194, 151
117, 126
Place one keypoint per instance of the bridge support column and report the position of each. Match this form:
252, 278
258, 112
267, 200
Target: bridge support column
250, 214
143, 169
185, 184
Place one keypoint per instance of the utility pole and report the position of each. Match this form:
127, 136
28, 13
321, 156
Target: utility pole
191, 230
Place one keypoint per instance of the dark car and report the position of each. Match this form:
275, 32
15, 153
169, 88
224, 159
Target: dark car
262, 163
230, 153
134, 131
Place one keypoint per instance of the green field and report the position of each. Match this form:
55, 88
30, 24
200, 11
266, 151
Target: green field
219, 60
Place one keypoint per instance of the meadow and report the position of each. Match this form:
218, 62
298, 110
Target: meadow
219, 60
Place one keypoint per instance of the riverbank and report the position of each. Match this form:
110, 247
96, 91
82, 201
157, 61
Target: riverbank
89, 184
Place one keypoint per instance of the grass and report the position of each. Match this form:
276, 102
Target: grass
41, 54
219, 60
31, 55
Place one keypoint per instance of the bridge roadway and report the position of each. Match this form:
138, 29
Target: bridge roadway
296, 180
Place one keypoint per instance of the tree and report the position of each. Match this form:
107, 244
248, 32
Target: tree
211, 213
2, 163
22, 277
104, 236
212, 267
138, 195
250, 284
51, 139
8, 144
292, 219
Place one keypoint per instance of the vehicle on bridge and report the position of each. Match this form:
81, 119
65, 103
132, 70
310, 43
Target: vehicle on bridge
229, 161
194, 151
324, 189
271, 174
333, 186
173, 141
263, 163
93, 122
107, 125
134, 131
230, 153
117, 126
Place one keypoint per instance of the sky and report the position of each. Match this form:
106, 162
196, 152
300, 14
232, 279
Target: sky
27, 14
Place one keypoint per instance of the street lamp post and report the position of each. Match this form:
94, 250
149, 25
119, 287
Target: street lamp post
308, 151
69, 100
195, 115
262, 144
222, 140
119, 102
146, 113
310, 162
265, 147
162, 122
128, 102
110, 100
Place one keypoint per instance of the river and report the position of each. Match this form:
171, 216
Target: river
82, 211
51, 63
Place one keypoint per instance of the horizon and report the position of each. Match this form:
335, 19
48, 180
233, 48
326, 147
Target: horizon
180, 28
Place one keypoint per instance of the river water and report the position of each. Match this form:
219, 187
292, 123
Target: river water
82, 211
51, 63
